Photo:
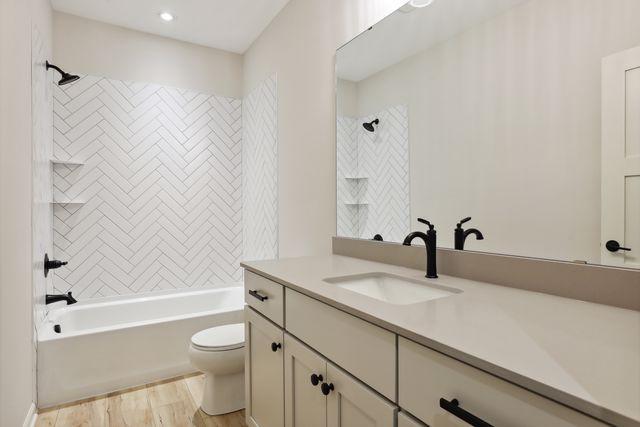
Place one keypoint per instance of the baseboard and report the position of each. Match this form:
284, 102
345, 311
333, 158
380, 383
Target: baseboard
31, 417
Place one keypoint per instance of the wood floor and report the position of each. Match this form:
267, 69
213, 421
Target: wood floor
171, 403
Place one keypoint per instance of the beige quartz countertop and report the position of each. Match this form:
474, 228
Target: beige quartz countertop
581, 354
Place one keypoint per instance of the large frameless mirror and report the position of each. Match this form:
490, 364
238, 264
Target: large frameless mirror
523, 115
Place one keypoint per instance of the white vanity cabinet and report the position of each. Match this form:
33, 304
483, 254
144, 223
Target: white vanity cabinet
264, 371
309, 364
319, 394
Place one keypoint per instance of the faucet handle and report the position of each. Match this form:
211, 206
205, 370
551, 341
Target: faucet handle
424, 221
463, 220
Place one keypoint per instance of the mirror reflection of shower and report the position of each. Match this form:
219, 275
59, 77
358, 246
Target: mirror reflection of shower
369, 126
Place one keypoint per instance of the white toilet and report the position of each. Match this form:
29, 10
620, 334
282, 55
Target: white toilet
219, 353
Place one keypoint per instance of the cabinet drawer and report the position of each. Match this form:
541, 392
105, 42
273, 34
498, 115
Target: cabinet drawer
265, 296
364, 350
426, 376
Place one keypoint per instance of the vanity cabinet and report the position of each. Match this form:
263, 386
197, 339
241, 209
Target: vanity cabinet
309, 364
319, 394
264, 371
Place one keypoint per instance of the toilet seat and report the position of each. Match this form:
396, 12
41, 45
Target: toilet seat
219, 338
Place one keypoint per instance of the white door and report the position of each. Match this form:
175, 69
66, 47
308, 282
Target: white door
264, 371
621, 159
352, 404
304, 373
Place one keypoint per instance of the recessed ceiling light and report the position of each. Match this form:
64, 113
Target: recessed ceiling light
420, 3
166, 16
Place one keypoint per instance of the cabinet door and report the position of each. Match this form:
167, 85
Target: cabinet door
305, 405
352, 404
264, 371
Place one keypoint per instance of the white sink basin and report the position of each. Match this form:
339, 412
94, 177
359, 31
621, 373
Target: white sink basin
392, 289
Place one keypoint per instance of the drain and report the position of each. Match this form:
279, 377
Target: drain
57, 329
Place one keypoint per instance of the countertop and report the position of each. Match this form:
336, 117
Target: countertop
581, 354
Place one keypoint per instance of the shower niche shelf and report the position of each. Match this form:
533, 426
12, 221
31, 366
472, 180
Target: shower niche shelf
356, 178
68, 202
355, 203
67, 162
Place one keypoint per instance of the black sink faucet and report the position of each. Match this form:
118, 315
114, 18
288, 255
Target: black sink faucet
63, 297
429, 239
460, 235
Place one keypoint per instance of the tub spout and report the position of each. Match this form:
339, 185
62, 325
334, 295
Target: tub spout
63, 297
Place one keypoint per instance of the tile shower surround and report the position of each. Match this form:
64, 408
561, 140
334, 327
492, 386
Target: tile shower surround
158, 202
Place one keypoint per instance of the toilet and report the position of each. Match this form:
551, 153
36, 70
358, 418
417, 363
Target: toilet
219, 353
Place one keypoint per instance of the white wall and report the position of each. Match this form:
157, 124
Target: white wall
17, 379
505, 125
83, 46
299, 45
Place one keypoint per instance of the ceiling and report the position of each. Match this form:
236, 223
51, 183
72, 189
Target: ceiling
411, 30
230, 25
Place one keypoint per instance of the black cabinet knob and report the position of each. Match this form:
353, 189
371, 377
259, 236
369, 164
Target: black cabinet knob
275, 346
326, 388
315, 379
614, 246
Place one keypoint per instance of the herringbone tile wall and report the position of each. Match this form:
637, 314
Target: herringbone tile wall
260, 176
162, 188
383, 158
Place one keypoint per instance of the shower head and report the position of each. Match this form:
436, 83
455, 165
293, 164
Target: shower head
66, 77
369, 126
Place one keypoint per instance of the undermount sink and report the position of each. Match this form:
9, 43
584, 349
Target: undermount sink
391, 288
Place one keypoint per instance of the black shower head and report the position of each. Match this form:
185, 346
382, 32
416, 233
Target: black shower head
369, 126
66, 77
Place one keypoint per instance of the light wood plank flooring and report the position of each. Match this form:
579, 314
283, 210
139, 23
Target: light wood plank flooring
171, 403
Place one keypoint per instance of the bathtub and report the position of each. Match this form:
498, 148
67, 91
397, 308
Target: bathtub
113, 344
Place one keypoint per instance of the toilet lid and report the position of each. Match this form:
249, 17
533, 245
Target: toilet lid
226, 337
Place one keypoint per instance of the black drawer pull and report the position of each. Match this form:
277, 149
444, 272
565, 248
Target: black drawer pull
453, 407
326, 388
275, 346
315, 379
257, 295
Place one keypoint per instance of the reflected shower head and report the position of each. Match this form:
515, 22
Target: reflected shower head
66, 77
369, 126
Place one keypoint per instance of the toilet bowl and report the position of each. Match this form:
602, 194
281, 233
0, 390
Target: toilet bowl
219, 353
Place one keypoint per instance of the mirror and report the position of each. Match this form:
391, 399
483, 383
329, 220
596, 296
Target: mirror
521, 114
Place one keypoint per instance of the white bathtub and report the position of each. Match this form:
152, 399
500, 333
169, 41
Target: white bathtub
119, 343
